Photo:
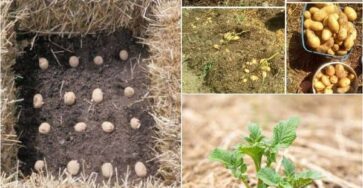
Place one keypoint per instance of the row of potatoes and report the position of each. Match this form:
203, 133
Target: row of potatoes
329, 29
73, 166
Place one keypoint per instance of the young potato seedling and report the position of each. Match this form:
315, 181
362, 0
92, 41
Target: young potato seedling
39, 165
135, 123
74, 61
97, 95
69, 98
107, 170
140, 169
98, 60
44, 128
124, 55
73, 167
43, 63
38, 101
257, 147
80, 127
107, 126
129, 92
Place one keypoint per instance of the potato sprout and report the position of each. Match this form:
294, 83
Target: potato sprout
107, 170
124, 55
43, 63
39, 165
74, 61
98, 60
38, 101
69, 98
108, 126
73, 167
97, 95
135, 123
80, 127
44, 128
129, 91
140, 169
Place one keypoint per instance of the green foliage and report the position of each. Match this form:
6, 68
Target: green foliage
258, 147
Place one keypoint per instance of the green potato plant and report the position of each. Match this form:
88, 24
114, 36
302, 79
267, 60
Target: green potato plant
258, 147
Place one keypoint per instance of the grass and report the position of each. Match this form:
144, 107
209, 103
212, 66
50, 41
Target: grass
218, 45
232, 2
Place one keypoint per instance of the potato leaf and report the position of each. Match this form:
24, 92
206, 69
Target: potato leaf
269, 177
284, 133
305, 178
255, 152
255, 134
289, 167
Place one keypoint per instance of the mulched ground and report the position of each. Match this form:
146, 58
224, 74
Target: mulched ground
124, 146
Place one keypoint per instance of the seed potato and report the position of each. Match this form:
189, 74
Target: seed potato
69, 98
80, 127
124, 55
107, 127
135, 123
44, 128
73, 167
39, 165
43, 63
38, 101
97, 95
140, 169
107, 170
98, 60
129, 92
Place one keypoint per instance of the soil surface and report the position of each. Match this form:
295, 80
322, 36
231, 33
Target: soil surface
220, 63
124, 146
233, 2
302, 65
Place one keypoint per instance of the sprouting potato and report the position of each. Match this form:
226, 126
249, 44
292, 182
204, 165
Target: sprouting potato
73, 167
135, 123
80, 127
325, 80
39, 165
330, 70
107, 126
344, 82
140, 169
124, 55
43, 63
97, 95
129, 92
73, 61
319, 86
38, 101
69, 98
44, 128
340, 71
107, 170
98, 60
333, 79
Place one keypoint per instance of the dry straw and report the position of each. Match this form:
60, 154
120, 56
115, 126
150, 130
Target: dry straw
156, 23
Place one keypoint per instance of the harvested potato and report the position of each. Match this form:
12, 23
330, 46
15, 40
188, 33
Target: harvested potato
69, 98
43, 63
129, 92
313, 40
135, 123
328, 91
38, 101
307, 15
39, 165
344, 82
351, 76
319, 86
124, 55
340, 71
312, 10
80, 127
320, 15
330, 70
313, 25
333, 79
107, 170
326, 81
73, 167
73, 61
107, 126
333, 24
326, 34
140, 169
98, 60
351, 13
97, 95
343, 89
44, 128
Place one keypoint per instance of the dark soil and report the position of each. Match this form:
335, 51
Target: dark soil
232, 2
302, 65
124, 146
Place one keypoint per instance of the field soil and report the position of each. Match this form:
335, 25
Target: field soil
211, 63
124, 146
328, 140
233, 2
302, 65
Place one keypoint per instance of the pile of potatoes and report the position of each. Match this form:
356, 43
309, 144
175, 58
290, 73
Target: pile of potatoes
73, 166
330, 30
334, 78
